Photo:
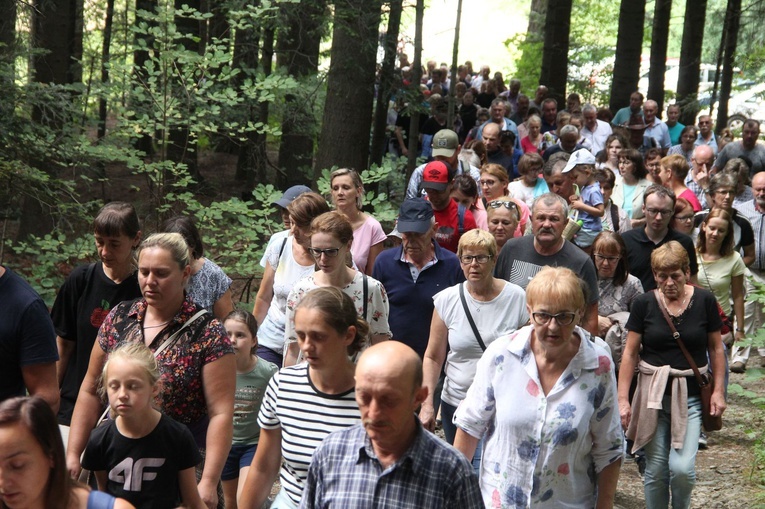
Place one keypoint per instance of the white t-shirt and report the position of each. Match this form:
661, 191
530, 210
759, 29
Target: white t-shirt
520, 191
499, 316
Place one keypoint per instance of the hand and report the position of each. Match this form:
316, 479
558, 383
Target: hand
209, 493
625, 412
73, 466
702, 176
428, 417
404, 151
739, 336
604, 323
717, 403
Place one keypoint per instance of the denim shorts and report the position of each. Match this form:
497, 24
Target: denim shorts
239, 457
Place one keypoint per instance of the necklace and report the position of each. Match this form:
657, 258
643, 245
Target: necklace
682, 304
155, 326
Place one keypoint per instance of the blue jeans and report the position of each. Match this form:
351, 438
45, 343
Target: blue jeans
450, 431
672, 470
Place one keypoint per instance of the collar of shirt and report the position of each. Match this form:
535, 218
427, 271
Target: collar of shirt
414, 455
188, 308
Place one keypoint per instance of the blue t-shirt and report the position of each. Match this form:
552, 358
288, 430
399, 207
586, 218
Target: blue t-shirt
591, 196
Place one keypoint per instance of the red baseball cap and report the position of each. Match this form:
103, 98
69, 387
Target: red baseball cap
436, 175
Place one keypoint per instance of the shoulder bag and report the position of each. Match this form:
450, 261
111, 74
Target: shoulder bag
470, 318
706, 381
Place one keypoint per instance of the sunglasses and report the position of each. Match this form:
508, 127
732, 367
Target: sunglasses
502, 203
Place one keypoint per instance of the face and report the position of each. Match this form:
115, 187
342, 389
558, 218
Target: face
649, 112
715, 230
702, 159
758, 188
658, 211
568, 142
561, 184
416, 244
467, 99
463, 199
531, 175
552, 336
491, 186
115, 251
497, 112
523, 104
241, 338
572, 104
439, 199
635, 102
683, 221
606, 190
626, 167
302, 234
328, 252
286, 219
606, 261
653, 166
540, 94
671, 282
664, 176
491, 139
581, 177
128, 387
723, 197
590, 119
576, 122
705, 126
548, 223
534, 128
613, 149
321, 345
749, 136
515, 87
24, 468
673, 113
686, 140
160, 278
387, 404
473, 269
550, 111
344, 193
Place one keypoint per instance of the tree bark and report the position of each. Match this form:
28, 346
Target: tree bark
414, 114
344, 139
629, 43
145, 142
7, 52
690, 60
385, 90
302, 27
659, 40
102, 105
246, 47
555, 54
733, 22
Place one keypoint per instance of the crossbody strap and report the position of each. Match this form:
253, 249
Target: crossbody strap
470, 317
702, 382
366, 294
174, 337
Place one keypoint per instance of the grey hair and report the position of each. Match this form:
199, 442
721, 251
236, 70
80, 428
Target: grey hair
589, 108
722, 180
569, 129
499, 100
549, 199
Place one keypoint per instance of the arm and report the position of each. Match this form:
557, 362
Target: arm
264, 469
465, 443
291, 354
219, 382
86, 411
401, 143
101, 480
40, 380
591, 325
717, 359
607, 479
265, 294
434, 358
737, 291
627, 372
375, 250
578, 204
65, 349
748, 255
187, 485
379, 338
225, 305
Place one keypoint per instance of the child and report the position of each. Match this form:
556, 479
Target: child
142, 455
530, 184
614, 218
252, 376
589, 203
465, 193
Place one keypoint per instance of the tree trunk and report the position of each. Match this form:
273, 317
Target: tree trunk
7, 51
537, 14
453, 77
629, 43
733, 22
385, 91
144, 142
302, 26
555, 54
690, 60
344, 139
414, 114
246, 47
659, 40
105, 67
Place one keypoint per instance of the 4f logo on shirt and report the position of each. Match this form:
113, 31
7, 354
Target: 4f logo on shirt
131, 474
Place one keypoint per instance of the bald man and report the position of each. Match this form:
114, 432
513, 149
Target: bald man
702, 160
389, 460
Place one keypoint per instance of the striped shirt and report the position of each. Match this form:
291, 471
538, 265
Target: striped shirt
305, 417
346, 473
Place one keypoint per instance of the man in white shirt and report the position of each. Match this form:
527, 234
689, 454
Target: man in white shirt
594, 130
655, 128
706, 136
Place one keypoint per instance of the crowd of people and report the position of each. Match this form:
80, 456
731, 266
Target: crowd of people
525, 302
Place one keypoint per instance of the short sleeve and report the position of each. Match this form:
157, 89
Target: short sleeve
64, 311
636, 321
605, 425
39, 338
268, 417
188, 455
216, 341
591, 278
714, 322
747, 233
378, 309
93, 458
738, 266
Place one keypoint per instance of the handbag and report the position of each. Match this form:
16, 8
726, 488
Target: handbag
705, 381
84, 476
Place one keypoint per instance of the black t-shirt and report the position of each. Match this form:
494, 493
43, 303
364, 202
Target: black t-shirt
143, 471
403, 120
659, 347
82, 303
640, 247
484, 99
468, 114
431, 126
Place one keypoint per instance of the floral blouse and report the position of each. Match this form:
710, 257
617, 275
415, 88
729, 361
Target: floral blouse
182, 396
542, 451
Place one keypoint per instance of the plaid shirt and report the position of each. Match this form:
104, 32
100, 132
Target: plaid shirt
345, 472
697, 190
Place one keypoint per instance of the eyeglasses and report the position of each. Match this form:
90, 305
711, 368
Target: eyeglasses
656, 212
564, 318
663, 277
316, 253
481, 259
684, 218
728, 192
608, 259
502, 203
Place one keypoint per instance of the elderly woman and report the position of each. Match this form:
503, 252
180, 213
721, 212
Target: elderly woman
494, 184
192, 349
544, 398
616, 286
628, 193
685, 148
503, 216
670, 434
368, 236
468, 317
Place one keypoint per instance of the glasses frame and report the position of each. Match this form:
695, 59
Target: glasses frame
608, 259
563, 318
475, 258
331, 252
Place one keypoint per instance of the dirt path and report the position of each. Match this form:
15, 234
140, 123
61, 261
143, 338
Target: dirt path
726, 472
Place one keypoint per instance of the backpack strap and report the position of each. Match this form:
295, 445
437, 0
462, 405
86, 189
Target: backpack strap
281, 249
615, 217
366, 294
461, 218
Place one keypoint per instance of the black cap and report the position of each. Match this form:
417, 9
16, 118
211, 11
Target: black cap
414, 216
290, 194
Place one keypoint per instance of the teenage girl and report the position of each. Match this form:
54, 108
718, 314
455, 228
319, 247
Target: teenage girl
252, 376
142, 455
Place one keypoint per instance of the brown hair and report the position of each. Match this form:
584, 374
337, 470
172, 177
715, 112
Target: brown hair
306, 207
338, 312
727, 245
632, 155
612, 242
670, 256
497, 171
355, 178
530, 161
333, 223
677, 164
115, 219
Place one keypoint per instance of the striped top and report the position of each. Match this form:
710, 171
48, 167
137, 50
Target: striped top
305, 416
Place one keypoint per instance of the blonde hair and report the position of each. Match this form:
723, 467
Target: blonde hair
497, 171
137, 353
478, 239
173, 243
558, 286
670, 256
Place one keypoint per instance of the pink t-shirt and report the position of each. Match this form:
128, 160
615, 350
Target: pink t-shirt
364, 237
692, 199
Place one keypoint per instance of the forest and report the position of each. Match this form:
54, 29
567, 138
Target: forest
212, 107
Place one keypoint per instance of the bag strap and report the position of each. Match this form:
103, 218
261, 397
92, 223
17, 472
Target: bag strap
461, 218
470, 317
366, 294
615, 217
174, 337
702, 382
